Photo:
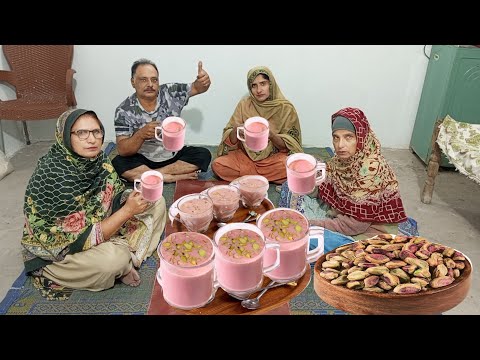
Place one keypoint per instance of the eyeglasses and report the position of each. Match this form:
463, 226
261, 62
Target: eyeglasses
84, 134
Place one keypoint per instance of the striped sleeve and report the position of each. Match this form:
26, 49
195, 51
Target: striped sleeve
122, 127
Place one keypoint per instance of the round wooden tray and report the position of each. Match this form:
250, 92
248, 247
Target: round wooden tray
430, 302
224, 304
239, 216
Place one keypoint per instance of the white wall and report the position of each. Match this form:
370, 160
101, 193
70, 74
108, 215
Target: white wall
385, 81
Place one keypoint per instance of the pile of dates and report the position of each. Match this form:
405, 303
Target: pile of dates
389, 263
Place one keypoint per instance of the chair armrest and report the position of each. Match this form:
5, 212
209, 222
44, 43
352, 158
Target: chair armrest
71, 101
8, 76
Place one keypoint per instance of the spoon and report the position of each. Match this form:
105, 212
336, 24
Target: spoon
292, 283
252, 216
254, 303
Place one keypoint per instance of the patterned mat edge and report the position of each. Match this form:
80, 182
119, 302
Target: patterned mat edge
13, 293
17, 287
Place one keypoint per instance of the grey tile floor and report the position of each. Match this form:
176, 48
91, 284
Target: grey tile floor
453, 217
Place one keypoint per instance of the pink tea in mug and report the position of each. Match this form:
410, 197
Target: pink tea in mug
196, 213
253, 190
301, 176
187, 269
238, 264
301, 166
225, 200
302, 173
240, 245
172, 133
256, 127
173, 127
173, 136
151, 180
186, 249
290, 230
255, 133
150, 185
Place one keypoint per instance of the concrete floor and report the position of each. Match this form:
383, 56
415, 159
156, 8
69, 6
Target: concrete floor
453, 217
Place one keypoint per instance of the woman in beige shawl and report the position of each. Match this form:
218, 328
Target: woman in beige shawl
234, 159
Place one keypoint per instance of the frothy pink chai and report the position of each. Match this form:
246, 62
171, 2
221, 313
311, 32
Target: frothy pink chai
195, 206
196, 214
253, 191
186, 270
301, 166
173, 127
256, 127
301, 176
173, 136
225, 203
289, 229
284, 226
223, 196
241, 244
152, 180
186, 249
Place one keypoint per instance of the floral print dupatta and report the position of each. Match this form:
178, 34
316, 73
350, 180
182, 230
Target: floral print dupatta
65, 197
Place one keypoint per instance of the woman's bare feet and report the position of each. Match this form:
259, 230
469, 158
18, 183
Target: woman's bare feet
168, 178
132, 278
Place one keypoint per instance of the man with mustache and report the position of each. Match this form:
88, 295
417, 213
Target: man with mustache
138, 115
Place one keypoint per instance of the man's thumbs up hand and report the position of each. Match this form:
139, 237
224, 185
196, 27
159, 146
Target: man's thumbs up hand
203, 81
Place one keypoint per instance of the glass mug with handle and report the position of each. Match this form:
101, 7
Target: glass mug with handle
304, 172
239, 258
253, 189
172, 133
290, 229
226, 201
195, 212
150, 185
255, 131
187, 273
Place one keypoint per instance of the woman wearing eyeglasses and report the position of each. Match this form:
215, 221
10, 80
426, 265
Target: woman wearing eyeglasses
82, 230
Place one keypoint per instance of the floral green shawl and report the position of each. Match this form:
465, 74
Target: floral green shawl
66, 195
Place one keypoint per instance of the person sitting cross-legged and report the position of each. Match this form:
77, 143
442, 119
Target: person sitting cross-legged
138, 115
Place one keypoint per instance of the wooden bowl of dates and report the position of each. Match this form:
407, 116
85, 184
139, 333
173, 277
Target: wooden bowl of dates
392, 275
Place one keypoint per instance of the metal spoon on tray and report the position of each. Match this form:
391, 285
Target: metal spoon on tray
252, 304
270, 285
252, 216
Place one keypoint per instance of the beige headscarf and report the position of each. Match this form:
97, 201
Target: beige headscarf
279, 112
